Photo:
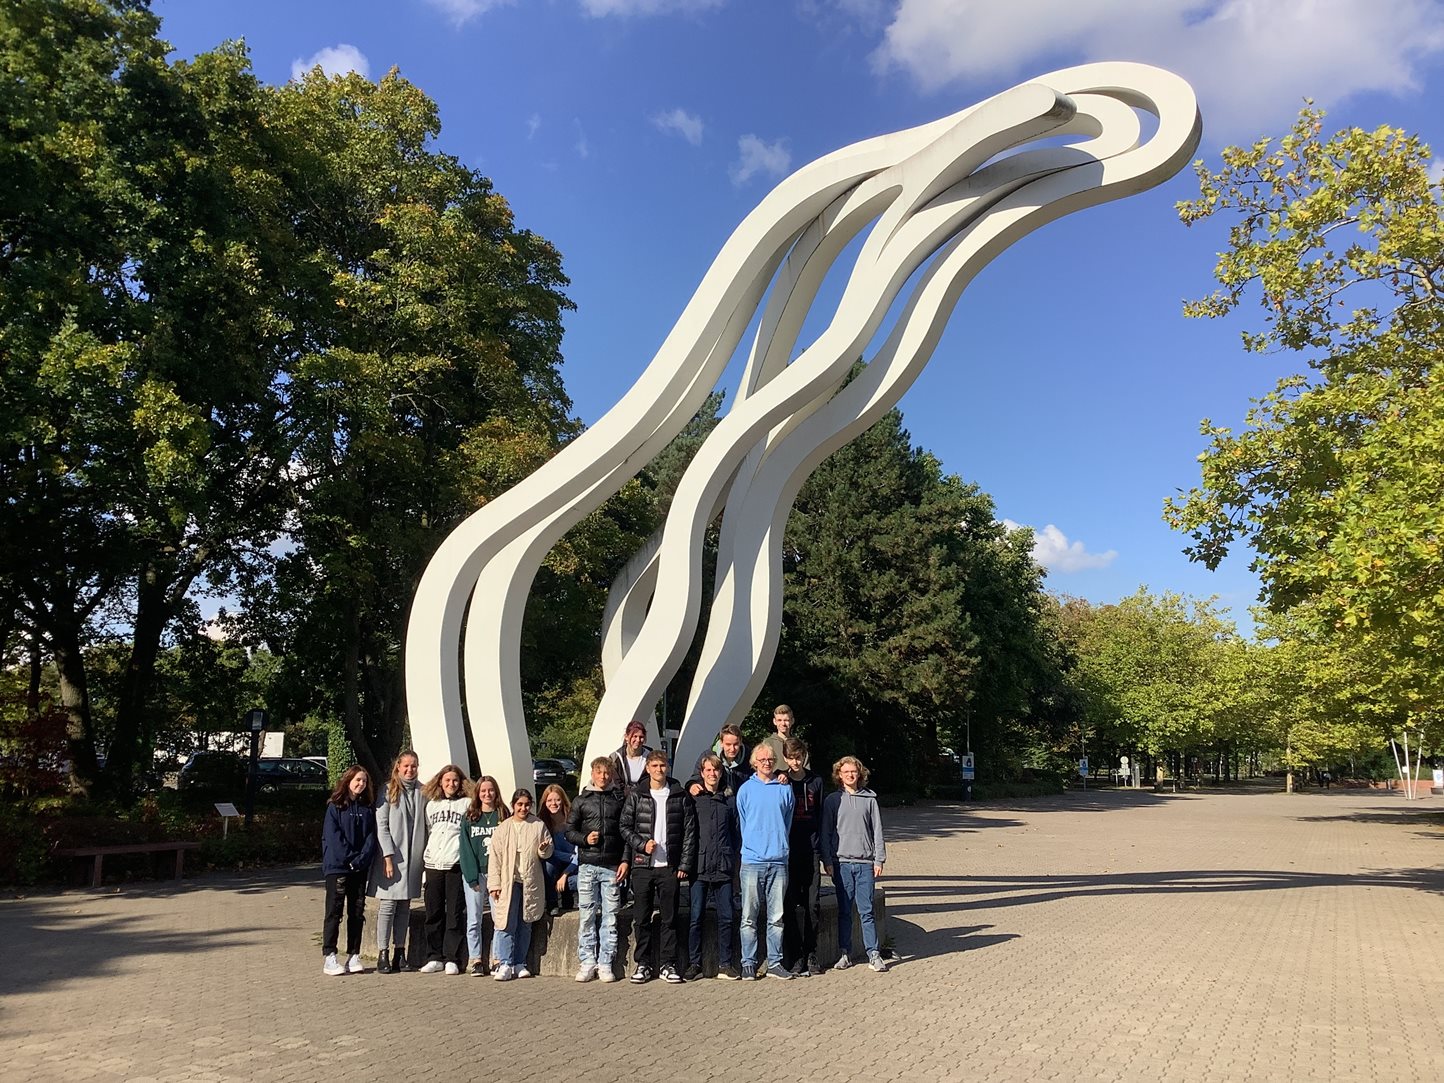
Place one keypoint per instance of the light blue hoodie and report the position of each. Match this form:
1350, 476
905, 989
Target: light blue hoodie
764, 810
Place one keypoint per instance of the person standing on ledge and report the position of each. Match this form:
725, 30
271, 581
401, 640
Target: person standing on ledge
595, 828
629, 762
783, 723
764, 814
732, 754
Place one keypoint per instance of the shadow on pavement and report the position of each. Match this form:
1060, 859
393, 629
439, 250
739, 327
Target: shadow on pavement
57, 944
935, 894
911, 941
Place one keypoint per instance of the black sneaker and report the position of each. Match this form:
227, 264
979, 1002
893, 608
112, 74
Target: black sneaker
670, 975
641, 975
693, 972
749, 972
729, 973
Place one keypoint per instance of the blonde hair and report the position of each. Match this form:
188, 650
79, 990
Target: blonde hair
432, 790
393, 787
862, 772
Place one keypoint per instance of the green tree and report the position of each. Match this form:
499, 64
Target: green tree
1337, 479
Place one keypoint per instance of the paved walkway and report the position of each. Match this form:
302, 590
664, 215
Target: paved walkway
1101, 936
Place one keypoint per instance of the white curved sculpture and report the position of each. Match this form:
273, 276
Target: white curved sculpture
938, 202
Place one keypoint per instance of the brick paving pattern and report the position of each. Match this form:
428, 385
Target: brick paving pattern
1109, 936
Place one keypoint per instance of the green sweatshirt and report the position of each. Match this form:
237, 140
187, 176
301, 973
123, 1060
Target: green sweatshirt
476, 846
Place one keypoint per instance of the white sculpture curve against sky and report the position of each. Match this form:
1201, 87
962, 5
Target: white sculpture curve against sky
932, 193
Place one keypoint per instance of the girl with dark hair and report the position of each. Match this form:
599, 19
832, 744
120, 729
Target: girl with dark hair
446, 802
514, 878
561, 867
348, 841
396, 874
485, 812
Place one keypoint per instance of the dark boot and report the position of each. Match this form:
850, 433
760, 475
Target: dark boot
383, 962
400, 966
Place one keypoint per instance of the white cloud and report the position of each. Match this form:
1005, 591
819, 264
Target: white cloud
1053, 550
685, 124
754, 156
583, 149
460, 11
599, 8
533, 122
334, 60
1251, 61
1436, 170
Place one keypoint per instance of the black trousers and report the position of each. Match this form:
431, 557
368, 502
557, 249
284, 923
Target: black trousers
799, 909
445, 916
349, 890
656, 887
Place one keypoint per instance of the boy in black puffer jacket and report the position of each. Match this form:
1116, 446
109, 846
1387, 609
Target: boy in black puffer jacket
719, 842
594, 827
800, 908
659, 824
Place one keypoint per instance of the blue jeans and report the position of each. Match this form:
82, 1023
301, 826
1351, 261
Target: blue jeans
476, 904
598, 895
513, 937
765, 881
722, 901
552, 868
854, 881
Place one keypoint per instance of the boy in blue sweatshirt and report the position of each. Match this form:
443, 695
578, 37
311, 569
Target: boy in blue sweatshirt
764, 813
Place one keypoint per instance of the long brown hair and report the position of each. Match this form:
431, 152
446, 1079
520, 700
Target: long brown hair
393, 787
341, 795
432, 790
545, 815
474, 810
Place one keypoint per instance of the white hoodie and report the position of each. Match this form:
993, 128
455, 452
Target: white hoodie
443, 832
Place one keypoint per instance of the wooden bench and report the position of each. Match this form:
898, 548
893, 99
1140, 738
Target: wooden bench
100, 853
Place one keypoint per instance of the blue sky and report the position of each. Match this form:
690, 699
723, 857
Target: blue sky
635, 134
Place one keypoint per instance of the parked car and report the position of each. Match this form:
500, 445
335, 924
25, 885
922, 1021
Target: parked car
546, 772
223, 773
568, 763
274, 775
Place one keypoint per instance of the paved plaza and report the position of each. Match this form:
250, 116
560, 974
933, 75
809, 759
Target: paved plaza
1113, 935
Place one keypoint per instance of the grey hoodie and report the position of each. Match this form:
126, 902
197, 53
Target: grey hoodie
851, 828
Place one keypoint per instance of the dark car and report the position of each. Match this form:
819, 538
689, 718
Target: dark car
546, 772
273, 775
223, 773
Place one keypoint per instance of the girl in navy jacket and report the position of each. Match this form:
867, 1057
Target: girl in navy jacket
348, 845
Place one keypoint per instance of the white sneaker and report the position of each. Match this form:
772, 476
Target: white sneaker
587, 972
521, 972
433, 967
843, 962
876, 962
607, 973
332, 965
503, 973
453, 969
355, 966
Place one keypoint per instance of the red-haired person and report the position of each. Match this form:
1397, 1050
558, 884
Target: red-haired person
348, 843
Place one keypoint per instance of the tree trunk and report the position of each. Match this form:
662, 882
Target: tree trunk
351, 697
129, 748
32, 691
75, 702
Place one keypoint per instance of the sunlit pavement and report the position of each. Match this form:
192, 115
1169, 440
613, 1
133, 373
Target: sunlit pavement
1113, 935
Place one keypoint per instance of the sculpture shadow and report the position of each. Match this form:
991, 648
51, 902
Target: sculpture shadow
937, 894
54, 945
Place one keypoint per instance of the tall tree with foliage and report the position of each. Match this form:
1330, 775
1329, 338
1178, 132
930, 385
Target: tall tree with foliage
1337, 479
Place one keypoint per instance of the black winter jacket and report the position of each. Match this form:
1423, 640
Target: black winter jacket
732, 777
599, 811
638, 811
719, 838
621, 784
805, 833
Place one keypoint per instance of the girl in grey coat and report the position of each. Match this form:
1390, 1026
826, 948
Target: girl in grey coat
396, 872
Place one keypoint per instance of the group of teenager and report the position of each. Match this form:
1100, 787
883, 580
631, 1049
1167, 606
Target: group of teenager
748, 831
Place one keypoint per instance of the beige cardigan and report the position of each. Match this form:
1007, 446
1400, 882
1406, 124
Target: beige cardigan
502, 867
